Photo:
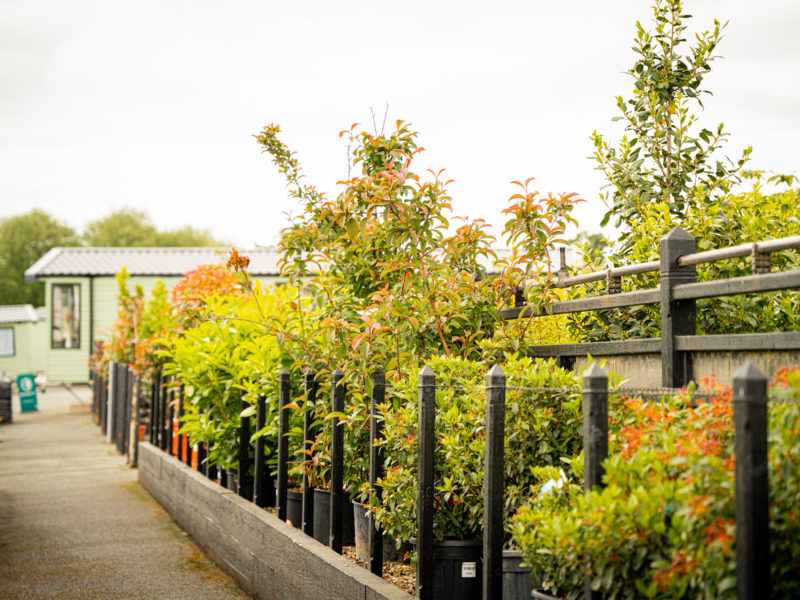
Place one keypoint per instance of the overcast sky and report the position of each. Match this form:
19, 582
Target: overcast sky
152, 104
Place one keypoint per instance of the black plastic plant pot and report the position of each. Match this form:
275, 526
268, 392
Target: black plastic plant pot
517, 581
231, 477
294, 508
457, 569
322, 518
362, 523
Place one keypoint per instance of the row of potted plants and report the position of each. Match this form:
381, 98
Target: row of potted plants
663, 525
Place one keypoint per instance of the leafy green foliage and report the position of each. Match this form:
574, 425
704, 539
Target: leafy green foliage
717, 223
664, 524
24, 239
541, 427
661, 159
664, 173
131, 227
225, 358
393, 278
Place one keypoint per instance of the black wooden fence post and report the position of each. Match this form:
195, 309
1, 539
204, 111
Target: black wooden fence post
677, 317
752, 484
187, 448
104, 400
595, 438
95, 394
310, 384
107, 425
493, 506
202, 454
179, 417
259, 478
166, 417
244, 452
284, 388
375, 535
337, 462
120, 398
138, 406
129, 413
170, 416
152, 417
426, 393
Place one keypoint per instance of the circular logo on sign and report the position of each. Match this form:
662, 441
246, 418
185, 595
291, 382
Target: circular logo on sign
26, 384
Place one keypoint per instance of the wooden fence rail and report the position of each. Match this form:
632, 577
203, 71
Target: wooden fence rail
677, 295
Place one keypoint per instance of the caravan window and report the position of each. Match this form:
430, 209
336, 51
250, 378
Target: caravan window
66, 323
6, 341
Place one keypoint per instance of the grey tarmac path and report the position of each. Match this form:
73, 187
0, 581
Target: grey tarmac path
75, 523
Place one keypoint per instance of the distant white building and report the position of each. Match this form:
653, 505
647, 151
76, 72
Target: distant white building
22, 339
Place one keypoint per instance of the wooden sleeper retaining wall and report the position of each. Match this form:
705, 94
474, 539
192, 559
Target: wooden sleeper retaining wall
263, 554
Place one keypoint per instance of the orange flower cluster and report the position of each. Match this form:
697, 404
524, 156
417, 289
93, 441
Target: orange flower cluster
720, 531
237, 261
708, 427
204, 281
787, 377
682, 564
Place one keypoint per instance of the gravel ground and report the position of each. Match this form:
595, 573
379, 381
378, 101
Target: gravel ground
75, 524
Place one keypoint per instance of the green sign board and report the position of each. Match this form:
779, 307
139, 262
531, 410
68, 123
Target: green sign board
26, 384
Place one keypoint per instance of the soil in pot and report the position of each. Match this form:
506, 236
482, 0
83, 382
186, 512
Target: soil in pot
322, 518
294, 508
362, 522
517, 582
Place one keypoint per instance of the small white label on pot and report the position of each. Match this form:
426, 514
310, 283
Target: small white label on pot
468, 570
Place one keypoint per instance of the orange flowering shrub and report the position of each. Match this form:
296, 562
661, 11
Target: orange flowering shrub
142, 326
189, 295
664, 525
123, 334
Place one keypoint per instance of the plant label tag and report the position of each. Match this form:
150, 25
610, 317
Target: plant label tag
468, 570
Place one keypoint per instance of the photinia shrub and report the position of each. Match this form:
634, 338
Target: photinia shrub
664, 524
543, 425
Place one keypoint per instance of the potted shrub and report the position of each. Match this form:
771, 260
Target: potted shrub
543, 426
664, 524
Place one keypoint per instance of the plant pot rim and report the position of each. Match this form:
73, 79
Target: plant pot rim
452, 543
542, 595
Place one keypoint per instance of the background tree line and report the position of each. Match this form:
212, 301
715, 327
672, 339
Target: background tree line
26, 238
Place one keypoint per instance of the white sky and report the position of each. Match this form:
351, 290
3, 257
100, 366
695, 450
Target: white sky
151, 104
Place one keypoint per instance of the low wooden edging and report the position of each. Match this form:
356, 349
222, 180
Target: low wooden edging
263, 554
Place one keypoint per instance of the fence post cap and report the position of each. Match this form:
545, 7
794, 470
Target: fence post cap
284, 372
594, 371
495, 375
677, 233
749, 384
426, 375
749, 370
309, 372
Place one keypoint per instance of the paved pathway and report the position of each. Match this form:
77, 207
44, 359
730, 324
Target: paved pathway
75, 524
